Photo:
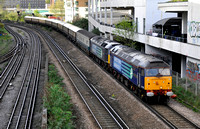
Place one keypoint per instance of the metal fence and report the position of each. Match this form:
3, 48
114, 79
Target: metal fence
187, 83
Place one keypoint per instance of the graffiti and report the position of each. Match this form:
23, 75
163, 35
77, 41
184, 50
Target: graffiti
194, 29
193, 70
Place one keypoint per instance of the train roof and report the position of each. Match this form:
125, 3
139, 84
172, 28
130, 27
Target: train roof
98, 40
86, 33
138, 58
110, 43
73, 28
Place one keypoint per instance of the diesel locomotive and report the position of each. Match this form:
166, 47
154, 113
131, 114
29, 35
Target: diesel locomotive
146, 75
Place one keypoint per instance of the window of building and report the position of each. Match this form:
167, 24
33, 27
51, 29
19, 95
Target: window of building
143, 25
76, 8
86, 3
136, 25
76, 2
86, 9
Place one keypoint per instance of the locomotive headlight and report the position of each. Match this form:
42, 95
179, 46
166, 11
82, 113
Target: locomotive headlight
161, 87
169, 79
163, 81
147, 79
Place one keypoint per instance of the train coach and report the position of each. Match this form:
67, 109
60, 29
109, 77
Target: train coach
146, 75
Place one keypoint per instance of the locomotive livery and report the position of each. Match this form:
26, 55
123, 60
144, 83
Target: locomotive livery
146, 75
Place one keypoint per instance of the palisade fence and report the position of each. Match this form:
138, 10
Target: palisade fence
187, 83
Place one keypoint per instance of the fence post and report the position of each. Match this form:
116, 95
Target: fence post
186, 83
176, 78
196, 88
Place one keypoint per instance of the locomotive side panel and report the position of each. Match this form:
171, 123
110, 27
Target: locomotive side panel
100, 52
125, 69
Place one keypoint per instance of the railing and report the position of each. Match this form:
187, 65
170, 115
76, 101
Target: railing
179, 39
189, 84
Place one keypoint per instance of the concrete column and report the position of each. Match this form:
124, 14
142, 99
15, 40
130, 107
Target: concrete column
88, 8
184, 22
100, 15
90, 27
96, 7
111, 16
183, 66
111, 36
93, 8
105, 35
105, 16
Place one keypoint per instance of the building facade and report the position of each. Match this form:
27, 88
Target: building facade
24, 4
180, 51
9, 3
75, 9
35, 4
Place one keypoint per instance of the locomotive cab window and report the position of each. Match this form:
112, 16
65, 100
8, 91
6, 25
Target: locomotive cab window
158, 72
142, 72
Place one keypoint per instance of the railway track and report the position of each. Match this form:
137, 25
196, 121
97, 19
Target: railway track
15, 49
13, 65
176, 120
22, 112
103, 113
169, 116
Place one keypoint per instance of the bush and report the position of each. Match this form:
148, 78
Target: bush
1, 25
82, 23
187, 96
96, 31
57, 102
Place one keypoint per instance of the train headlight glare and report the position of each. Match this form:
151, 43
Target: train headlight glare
161, 87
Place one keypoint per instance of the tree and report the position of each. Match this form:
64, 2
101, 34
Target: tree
124, 32
18, 7
37, 13
47, 1
29, 6
96, 31
12, 16
58, 8
82, 23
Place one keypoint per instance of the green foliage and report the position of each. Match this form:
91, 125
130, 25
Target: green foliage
124, 32
53, 77
58, 8
29, 6
12, 16
18, 7
1, 25
57, 103
178, 0
82, 23
47, 1
96, 31
187, 96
